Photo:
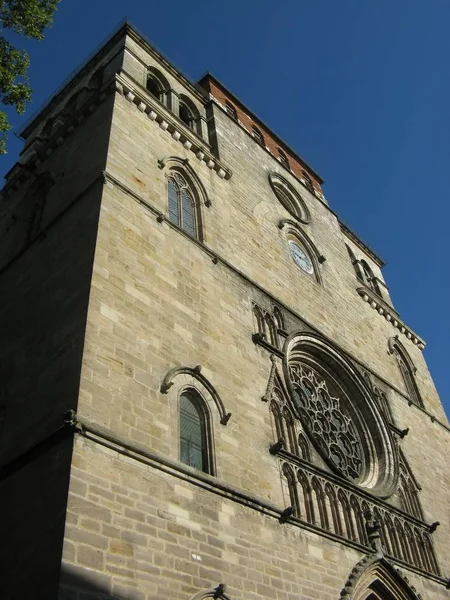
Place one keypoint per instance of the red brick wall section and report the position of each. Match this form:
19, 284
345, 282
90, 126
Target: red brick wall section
247, 121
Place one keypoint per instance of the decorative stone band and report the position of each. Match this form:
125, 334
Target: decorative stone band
168, 122
141, 453
337, 506
390, 315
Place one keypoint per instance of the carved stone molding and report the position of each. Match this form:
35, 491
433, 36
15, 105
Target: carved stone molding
196, 374
390, 315
383, 576
169, 123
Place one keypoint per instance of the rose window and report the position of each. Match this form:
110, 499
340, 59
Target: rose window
324, 419
339, 414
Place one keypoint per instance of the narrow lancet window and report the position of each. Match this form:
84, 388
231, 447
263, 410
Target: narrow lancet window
194, 432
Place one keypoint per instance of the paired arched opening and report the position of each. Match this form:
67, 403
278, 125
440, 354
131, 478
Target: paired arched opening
283, 159
231, 110
158, 86
185, 195
188, 113
258, 136
364, 273
181, 204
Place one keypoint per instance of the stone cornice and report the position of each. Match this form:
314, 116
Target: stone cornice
148, 47
364, 247
390, 315
170, 123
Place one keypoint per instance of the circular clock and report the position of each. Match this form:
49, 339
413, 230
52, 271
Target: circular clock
300, 257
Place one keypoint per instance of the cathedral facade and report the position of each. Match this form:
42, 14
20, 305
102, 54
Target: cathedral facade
206, 390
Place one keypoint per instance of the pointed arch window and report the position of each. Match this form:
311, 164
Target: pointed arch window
181, 204
283, 159
231, 110
369, 278
355, 264
189, 114
194, 432
158, 86
258, 136
154, 87
407, 369
307, 181
186, 115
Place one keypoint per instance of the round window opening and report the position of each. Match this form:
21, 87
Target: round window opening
289, 198
339, 415
301, 258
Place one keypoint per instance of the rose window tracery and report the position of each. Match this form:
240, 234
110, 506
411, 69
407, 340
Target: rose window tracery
325, 419
338, 413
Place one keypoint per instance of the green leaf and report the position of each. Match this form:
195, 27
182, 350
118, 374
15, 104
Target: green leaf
28, 18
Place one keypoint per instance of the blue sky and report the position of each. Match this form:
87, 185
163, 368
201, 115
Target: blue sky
360, 89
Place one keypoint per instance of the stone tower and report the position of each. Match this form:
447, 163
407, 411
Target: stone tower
206, 391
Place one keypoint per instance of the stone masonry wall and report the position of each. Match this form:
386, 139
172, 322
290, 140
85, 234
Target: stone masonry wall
158, 301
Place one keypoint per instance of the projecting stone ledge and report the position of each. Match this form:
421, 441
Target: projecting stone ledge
390, 315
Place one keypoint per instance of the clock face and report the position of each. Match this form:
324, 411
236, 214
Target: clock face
300, 257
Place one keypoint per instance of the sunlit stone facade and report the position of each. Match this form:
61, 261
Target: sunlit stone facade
206, 390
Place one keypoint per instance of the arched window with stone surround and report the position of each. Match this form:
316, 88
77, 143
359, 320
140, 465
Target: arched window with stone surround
355, 263
375, 578
407, 369
258, 136
278, 420
182, 207
189, 114
369, 278
195, 432
306, 491
271, 329
289, 197
283, 159
158, 86
279, 320
231, 110
307, 181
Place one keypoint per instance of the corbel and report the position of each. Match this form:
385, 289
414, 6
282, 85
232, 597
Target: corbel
432, 528
219, 591
286, 515
277, 446
224, 420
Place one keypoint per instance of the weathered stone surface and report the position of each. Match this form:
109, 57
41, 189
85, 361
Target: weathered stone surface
109, 301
